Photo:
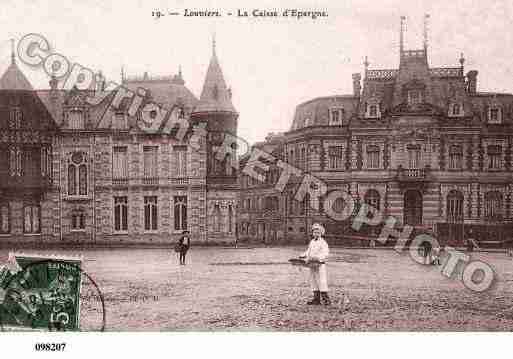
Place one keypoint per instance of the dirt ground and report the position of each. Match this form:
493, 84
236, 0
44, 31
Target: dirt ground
227, 289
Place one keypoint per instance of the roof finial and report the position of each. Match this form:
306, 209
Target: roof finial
366, 63
13, 60
180, 71
214, 44
401, 33
426, 30
122, 74
462, 59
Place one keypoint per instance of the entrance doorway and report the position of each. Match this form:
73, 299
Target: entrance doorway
412, 208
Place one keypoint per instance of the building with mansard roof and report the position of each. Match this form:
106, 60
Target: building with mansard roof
79, 171
419, 143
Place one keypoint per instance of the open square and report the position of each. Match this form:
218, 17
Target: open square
224, 289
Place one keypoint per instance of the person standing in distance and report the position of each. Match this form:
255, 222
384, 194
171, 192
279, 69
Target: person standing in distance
185, 244
318, 251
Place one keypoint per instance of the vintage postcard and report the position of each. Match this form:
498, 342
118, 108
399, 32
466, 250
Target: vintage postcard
274, 166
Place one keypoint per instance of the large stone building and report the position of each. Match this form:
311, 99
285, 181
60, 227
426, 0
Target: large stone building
419, 143
75, 170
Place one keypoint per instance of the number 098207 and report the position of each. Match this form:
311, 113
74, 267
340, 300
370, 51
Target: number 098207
50, 347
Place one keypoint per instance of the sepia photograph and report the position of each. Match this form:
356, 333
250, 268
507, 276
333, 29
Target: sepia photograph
255, 167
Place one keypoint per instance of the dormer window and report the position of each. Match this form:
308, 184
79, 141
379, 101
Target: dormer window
495, 115
308, 122
120, 120
336, 116
415, 97
75, 119
373, 110
456, 110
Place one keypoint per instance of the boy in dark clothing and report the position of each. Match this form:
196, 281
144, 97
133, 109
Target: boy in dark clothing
185, 243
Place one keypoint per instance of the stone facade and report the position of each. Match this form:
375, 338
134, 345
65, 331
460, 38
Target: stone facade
421, 144
113, 180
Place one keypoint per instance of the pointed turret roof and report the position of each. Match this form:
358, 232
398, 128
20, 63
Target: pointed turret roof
215, 96
13, 78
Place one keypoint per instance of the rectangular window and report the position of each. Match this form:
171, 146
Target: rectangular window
180, 161
494, 157
335, 157
78, 221
120, 163
415, 97
373, 157
336, 116
15, 162
495, 115
121, 214
32, 218
150, 213
75, 120
15, 118
414, 157
180, 213
456, 157
5, 218
373, 111
150, 164
119, 122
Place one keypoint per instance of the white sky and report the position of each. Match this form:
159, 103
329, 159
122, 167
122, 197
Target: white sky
271, 64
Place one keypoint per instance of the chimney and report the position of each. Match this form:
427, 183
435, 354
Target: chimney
356, 84
99, 82
53, 87
472, 81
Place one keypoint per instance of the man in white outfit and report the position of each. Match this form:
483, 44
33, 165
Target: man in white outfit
318, 251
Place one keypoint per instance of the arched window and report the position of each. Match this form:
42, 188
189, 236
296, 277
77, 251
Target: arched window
121, 214
77, 174
180, 212
493, 206
150, 213
372, 198
217, 218
454, 206
5, 217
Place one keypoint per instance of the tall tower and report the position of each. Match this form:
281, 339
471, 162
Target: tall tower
215, 109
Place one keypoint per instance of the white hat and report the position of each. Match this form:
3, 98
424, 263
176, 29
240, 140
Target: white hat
319, 227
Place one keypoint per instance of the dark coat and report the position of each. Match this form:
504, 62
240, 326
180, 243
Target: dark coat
185, 243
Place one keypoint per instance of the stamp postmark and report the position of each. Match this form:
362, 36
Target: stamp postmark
42, 293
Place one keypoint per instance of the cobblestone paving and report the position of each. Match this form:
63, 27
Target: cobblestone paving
256, 289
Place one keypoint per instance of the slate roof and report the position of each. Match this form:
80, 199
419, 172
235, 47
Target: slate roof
165, 91
315, 112
14, 79
215, 96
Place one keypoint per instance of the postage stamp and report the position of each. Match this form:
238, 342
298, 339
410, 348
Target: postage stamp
40, 293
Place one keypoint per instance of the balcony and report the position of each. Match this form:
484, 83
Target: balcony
179, 181
412, 176
150, 181
120, 182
